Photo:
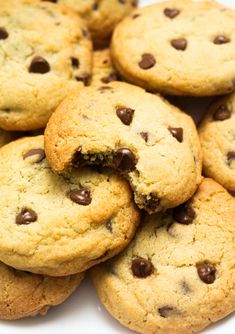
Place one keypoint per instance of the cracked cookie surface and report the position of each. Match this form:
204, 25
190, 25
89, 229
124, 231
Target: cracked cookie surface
217, 137
165, 47
177, 275
43, 56
23, 294
103, 71
60, 225
101, 15
152, 143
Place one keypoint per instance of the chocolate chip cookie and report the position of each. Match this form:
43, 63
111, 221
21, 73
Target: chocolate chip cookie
178, 274
101, 15
180, 47
150, 142
59, 225
43, 55
103, 71
23, 294
217, 136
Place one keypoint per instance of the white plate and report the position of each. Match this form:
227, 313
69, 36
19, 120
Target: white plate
82, 313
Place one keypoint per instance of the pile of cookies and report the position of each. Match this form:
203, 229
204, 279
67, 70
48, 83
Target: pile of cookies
121, 181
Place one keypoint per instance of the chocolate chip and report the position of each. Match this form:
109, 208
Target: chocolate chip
35, 151
124, 160
78, 160
26, 216
167, 311
95, 6
206, 272
141, 267
122, 2
147, 61
109, 226
85, 78
105, 88
231, 156
221, 113
179, 44
153, 202
145, 136
80, 196
3, 33
177, 133
134, 3
39, 65
125, 115
134, 16
54, 1
184, 214
111, 77
171, 12
221, 39
75, 62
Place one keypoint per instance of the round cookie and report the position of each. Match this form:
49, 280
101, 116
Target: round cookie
101, 15
178, 274
103, 71
23, 294
217, 136
60, 225
164, 47
150, 142
44, 55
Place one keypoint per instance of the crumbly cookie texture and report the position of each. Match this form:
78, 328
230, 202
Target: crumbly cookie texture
45, 53
103, 71
147, 140
217, 136
178, 274
180, 47
23, 294
101, 15
59, 225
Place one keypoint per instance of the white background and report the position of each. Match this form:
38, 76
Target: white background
82, 312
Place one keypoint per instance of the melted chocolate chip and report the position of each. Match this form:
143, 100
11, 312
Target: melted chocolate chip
75, 62
221, 113
141, 267
85, 78
26, 216
221, 39
3, 33
125, 115
35, 151
206, 272
145, 136
109, 226
122, 2
124, 160
85, 33
231, 156
171, 12
111, 77
39, 65
179, 44
177, 133
147, 61
134, 3
54, 1
167, 311
80, 196
95, 6
78, 159
184, 214
105, 88
153, 202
